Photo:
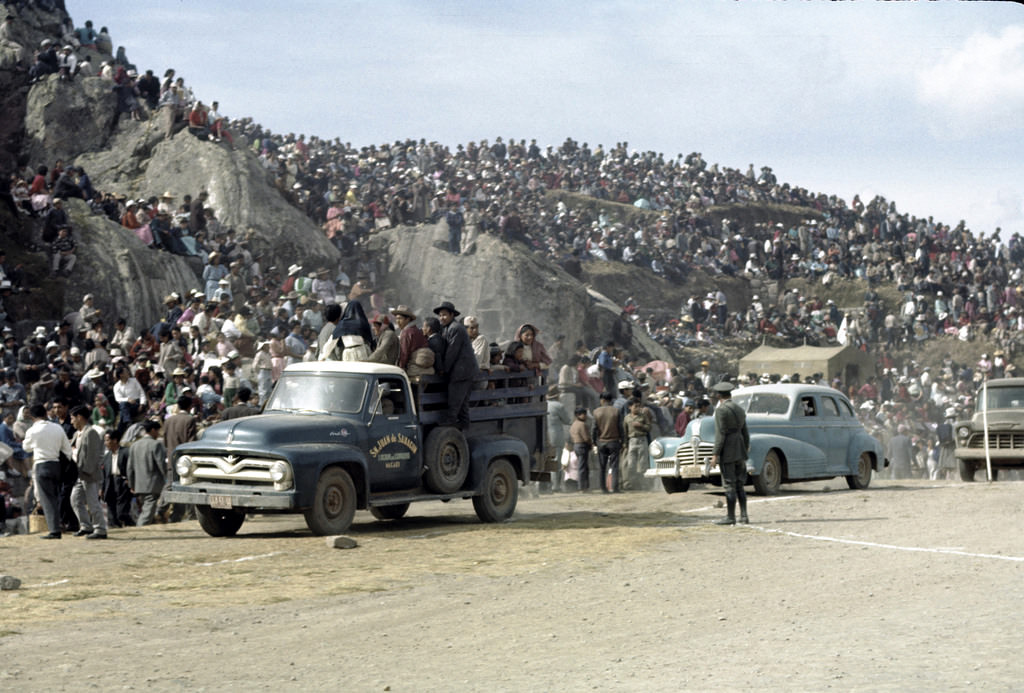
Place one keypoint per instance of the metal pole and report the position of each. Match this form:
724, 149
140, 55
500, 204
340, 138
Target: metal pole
984, 427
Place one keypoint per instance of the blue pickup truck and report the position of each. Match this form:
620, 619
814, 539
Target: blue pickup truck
337, 436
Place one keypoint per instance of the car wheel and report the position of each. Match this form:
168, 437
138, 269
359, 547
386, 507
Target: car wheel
389, 512
219, 523
768, 481
501, 493
862, 478
673, 484
966, 469
334, 504
446, 456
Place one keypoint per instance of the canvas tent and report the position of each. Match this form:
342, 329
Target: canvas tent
844, 362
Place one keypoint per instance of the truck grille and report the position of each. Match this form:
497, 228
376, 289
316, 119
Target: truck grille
233, 470
997, 441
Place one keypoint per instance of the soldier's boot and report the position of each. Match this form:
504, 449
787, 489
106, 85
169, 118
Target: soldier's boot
743, 510
730, 518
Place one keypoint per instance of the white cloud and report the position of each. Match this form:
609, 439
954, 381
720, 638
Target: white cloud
978, 86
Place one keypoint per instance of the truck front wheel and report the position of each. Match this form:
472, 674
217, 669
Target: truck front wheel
219, 523
966, 469
501, 492
334, 504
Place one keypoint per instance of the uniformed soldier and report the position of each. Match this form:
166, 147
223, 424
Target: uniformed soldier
732, 444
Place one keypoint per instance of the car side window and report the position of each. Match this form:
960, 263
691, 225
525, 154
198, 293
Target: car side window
829, 405
847, 409
807, 405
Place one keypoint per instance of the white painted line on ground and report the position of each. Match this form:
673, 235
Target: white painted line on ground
242, 559
49, 584
893, 547
749, 501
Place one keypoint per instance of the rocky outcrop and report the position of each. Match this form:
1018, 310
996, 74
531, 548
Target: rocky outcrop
127, 279
75, 121
503, 285
65, 119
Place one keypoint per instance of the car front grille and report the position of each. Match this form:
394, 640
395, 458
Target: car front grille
233, 470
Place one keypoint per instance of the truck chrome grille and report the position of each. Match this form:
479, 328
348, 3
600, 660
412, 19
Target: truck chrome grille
233, 469
997, 441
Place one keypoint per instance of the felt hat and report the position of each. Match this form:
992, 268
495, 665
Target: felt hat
447, 305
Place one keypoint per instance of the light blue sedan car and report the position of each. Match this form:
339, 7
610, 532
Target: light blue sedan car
797, 433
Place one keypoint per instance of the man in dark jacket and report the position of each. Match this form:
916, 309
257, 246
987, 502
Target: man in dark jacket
732, 445
460, 366
178, 428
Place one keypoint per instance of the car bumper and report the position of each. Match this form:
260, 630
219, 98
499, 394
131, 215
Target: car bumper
683, 471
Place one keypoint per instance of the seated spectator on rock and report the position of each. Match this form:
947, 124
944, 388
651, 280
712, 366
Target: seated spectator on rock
218, 127
149, 89
67, 63
198, 121
86, 35
63, 254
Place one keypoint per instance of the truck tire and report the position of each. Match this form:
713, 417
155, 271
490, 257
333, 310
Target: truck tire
219, 523
673, 484
334, 504
501, 492
768, 481
389, 512
966, 469
446, 456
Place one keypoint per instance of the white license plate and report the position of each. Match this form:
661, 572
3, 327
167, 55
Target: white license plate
690, 471
220, 502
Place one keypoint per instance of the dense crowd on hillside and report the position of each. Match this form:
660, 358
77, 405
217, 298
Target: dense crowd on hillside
218, 350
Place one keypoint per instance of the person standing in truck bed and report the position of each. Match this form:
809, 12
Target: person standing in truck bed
460, 367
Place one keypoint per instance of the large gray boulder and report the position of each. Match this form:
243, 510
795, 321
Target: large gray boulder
503, 285
64, 119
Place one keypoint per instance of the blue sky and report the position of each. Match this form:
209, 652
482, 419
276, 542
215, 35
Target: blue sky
921, 102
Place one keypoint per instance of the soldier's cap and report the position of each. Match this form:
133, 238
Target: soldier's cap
724, 386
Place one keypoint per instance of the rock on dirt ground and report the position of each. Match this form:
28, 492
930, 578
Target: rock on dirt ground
910, 585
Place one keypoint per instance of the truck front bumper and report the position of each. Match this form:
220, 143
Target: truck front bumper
230, 498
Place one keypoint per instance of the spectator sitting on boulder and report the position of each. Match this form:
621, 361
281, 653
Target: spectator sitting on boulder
67, 63
63, 257
198, 122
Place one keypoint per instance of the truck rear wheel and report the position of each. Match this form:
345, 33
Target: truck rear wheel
219, 523
501, 492
334, 504
673, 484
389, 512
447, 458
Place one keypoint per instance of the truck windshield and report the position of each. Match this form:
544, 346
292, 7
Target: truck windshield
318, 392
1004, 397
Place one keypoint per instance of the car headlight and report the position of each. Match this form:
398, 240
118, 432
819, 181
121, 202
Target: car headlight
280, 472
184, 466
656, 449
963, 431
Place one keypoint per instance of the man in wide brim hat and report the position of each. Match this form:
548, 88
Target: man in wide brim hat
403, 310
448, 306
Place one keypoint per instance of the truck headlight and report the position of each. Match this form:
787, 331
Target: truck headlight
656, 449
963, 431
280, 472
184, 466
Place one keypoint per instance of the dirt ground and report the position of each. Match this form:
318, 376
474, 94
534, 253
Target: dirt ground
905, 586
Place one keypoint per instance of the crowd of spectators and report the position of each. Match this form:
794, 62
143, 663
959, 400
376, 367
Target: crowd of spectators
249, 319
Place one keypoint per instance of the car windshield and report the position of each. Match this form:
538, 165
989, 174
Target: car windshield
1005, 397
318, 393
763, 403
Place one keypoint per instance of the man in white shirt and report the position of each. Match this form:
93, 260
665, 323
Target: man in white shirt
129, 395
46, 441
